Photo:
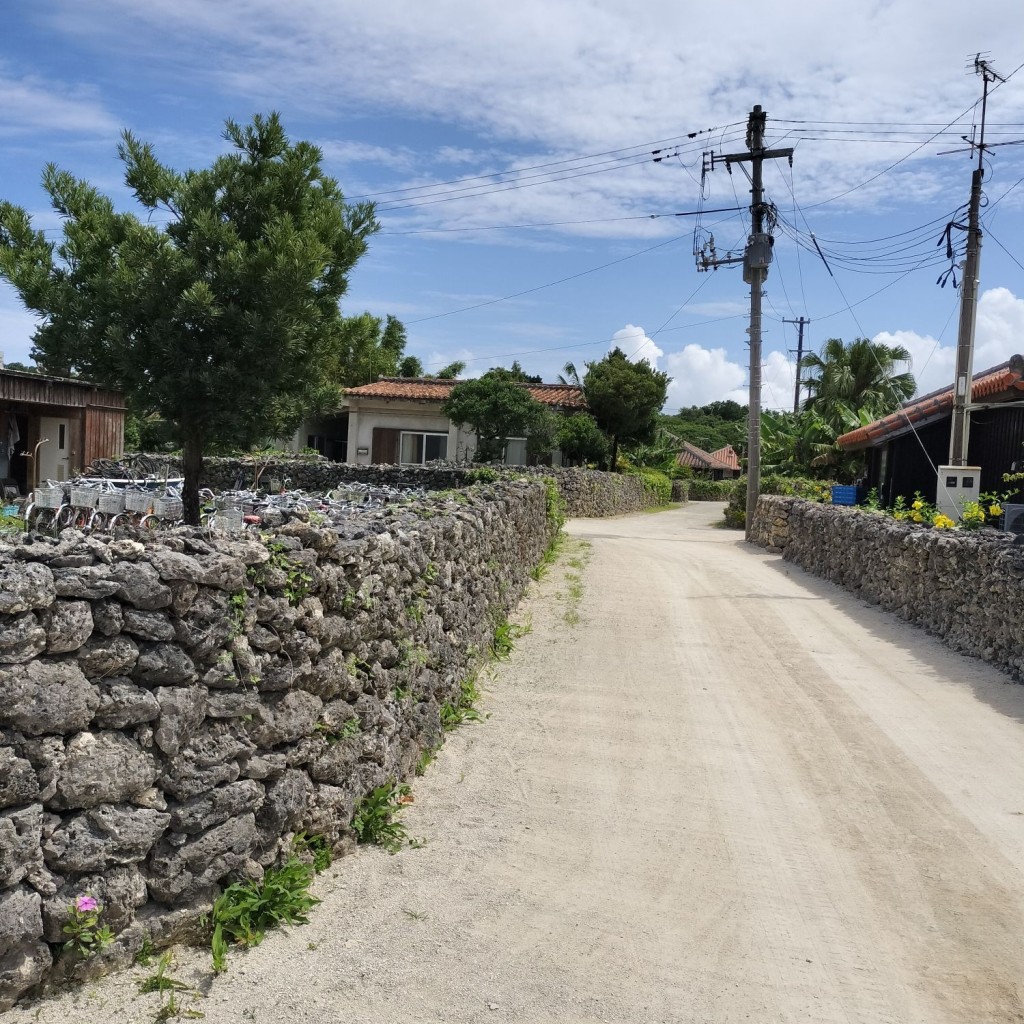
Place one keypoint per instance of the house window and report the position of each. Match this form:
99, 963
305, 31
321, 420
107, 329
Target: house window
420, 448
515, 451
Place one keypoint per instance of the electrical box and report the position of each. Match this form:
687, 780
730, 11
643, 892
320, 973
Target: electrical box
1013, 519
957, 484
758, 254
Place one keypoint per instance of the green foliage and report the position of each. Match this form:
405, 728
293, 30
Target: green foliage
316, 847
85, 935
505, 636
581, 440
455, 712
540, 570
495, 407
410, 366
451, 371
657, 484
624, 398
160, 981
482, 475
798, 487
702, 489
219, 308
554, 503
367, 347
426, 758
144, 957
710, 426
375, 818
298, 581
245, 910
861, 375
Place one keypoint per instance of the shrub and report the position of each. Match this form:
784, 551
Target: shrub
791, 486
657, 484
702, 489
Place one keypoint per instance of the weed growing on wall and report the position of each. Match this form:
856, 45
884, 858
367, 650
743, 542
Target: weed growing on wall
245, 910
316, 847
505, 636
455, 712
375, 820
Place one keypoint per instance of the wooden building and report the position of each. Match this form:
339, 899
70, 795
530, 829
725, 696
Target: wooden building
904, 448
52, 427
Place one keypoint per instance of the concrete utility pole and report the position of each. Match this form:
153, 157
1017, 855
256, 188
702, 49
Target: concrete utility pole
756, 259
799, 355
961, 426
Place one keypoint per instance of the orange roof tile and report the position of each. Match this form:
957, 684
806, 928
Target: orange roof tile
697, 458
433, 389
728, 457
1007, 378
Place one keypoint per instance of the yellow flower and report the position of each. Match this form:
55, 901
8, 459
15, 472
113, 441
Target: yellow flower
942, 522
917, 517
917, 505
995, 510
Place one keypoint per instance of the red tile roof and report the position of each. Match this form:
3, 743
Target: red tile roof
697, 458
727, 456
433, 389
1001, 383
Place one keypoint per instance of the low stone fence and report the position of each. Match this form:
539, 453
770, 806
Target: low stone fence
964, 587
174, 708
587, 493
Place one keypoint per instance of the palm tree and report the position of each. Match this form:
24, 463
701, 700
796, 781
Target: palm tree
856, 378
570, 375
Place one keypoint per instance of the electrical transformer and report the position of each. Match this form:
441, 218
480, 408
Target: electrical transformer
957, 484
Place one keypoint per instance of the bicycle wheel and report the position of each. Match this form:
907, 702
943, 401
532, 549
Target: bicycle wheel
80, 519
65, 517
97, 521
150, 522
44, 519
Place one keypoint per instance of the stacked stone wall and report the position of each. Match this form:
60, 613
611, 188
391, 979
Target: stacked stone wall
962, 586
174, 708
586, 493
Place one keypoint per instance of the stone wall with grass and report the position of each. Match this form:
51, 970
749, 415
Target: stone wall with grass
586, 493
962, 586
176, 708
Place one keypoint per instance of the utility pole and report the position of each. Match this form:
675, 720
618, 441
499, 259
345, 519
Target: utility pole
799, 356
961, 427
958, 482
756, 259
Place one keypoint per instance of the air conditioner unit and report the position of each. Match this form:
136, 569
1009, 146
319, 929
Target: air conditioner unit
1013, 518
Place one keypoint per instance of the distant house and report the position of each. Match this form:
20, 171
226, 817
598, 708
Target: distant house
52, 427
399, 419
723, 464
904, 448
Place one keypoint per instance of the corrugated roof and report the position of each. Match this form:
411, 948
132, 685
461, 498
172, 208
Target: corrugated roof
433, 389
1003, 382
697, 458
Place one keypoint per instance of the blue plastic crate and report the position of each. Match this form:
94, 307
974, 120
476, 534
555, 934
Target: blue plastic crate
844, 494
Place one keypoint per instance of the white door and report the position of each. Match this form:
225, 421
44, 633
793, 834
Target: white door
55, 454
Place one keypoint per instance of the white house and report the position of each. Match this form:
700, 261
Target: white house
399, 419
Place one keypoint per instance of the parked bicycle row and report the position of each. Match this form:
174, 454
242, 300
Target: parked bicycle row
97, 504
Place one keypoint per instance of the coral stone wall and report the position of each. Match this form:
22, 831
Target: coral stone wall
175, 707
586, 493
965, 587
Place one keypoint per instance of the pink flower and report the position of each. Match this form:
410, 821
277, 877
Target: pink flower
83, 904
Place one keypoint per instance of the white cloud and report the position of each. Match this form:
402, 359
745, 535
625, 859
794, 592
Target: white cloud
637, 346
583, 77
33, 104
701, 375
999, 334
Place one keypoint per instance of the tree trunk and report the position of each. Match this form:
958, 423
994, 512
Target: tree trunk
614, 467
192, 453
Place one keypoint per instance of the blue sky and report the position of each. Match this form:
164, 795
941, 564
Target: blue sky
551, 110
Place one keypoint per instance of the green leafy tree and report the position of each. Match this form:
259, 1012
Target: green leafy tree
225, 319
368, 348
495, 407
624, 398
581, 440
23, 367
847, 378
410, 366
451, 371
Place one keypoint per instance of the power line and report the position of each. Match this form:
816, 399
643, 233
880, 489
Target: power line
1003, 247
551, 163
550, 284
561, 223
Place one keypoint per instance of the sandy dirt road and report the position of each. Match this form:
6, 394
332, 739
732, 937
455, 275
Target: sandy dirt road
712, 789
